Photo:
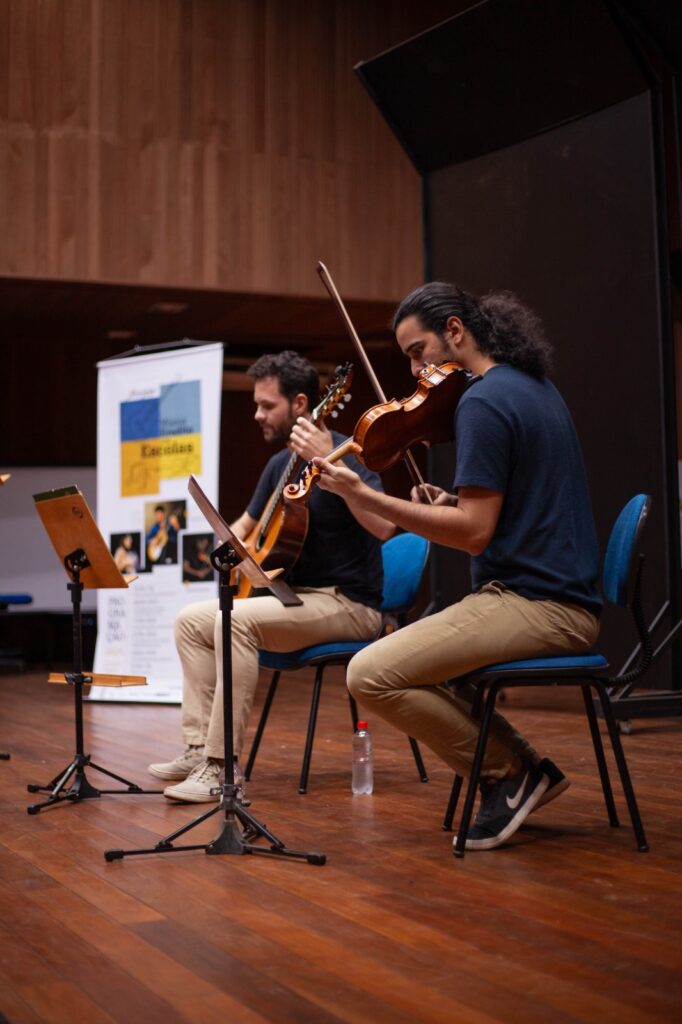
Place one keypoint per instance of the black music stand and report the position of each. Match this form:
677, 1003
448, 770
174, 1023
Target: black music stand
228, 556
88, 562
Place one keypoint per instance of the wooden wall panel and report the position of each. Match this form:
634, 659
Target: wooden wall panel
222, 143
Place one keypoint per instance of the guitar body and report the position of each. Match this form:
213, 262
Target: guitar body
279, 546
156, 545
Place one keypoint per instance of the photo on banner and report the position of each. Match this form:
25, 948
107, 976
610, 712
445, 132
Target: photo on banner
158, 422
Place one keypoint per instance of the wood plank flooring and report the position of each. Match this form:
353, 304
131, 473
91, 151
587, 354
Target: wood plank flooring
568, 923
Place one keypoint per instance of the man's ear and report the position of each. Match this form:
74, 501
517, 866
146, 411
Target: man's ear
299, 404
454, 329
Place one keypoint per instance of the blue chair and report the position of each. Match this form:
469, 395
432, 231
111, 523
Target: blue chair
621, 578
404, 559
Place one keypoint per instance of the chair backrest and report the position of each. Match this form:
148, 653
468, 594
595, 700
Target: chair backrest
404, 559
620, 562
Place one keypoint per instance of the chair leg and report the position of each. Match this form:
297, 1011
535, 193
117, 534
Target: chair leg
418, 760
314, 705
353, 711
261, 725
452, 803
463, 830
599, 754
623, 771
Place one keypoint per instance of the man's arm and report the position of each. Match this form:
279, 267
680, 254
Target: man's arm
375, 523
467, 525
310, 441
243, 526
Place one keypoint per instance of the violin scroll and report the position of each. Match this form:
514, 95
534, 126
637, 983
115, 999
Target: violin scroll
300, 492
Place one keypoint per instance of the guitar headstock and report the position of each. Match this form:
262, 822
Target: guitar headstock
337, 393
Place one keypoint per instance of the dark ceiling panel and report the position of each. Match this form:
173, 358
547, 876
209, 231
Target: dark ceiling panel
51, 311
450, 98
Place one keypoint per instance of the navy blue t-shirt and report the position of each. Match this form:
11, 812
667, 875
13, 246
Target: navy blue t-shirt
338, 551
514, 434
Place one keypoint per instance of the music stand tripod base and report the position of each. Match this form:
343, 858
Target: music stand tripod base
230, 554
230, 840
88, 563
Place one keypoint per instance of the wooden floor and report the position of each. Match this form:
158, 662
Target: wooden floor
567, 923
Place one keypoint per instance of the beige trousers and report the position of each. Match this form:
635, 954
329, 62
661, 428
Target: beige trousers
400, 677
326, 615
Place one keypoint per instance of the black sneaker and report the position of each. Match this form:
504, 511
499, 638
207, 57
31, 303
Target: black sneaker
558, 782
505, 804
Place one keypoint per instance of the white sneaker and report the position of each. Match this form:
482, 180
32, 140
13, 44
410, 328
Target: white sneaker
196, 789
180, 767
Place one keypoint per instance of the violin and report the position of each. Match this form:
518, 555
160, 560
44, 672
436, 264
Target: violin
383, 434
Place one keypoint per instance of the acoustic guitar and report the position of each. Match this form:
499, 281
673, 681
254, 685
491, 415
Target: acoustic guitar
156, 545
277, 538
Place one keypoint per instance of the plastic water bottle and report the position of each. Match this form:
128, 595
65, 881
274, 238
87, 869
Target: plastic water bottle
363, 761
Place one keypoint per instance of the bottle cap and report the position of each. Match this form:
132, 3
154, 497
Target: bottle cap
362, 725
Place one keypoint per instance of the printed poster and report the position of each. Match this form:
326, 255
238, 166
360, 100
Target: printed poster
158, 421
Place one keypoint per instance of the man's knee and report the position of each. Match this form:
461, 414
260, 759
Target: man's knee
362, 679
182, 626
194, 622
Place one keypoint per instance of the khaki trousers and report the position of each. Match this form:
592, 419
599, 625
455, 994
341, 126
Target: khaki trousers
326, 615
400, 677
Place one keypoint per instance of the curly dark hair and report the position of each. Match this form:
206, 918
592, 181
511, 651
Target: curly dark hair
503, 327
295, 375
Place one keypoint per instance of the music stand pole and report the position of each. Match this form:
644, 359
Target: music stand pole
81, 788
227, 557
230, 839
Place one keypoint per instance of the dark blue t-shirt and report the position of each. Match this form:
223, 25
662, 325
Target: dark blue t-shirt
514, 434
338, 551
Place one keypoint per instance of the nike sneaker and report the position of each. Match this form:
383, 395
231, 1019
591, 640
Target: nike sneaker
558, 783
505, 805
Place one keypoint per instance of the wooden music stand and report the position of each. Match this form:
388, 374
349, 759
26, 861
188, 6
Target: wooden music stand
231, 555
83, 552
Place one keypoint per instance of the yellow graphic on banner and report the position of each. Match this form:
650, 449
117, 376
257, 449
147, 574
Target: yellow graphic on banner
145, 463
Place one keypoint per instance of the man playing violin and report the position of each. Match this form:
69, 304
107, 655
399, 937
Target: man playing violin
338, 576
520, 507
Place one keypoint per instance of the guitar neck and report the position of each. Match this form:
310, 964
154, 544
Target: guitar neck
276, 497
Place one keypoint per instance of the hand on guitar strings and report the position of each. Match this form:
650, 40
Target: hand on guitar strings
308, 440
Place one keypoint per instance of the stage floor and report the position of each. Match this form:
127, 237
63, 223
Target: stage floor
567, 923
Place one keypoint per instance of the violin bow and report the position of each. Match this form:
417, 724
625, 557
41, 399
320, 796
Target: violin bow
326, 277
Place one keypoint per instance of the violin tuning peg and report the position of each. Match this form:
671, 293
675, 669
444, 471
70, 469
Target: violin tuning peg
335, 414
347, 398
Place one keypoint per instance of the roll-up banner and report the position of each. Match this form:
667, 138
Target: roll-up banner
158, 421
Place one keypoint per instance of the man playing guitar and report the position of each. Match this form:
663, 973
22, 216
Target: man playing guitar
338, 576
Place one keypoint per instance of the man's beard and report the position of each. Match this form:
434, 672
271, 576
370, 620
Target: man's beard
279, 435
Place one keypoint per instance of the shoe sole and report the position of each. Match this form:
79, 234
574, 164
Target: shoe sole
171, 776
552, 793
187, 799
512, 826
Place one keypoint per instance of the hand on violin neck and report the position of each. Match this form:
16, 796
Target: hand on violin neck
337, 478
309, 440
